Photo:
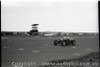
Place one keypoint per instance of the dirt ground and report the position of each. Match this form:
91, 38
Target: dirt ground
36, 50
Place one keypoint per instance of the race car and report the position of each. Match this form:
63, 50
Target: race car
65, 41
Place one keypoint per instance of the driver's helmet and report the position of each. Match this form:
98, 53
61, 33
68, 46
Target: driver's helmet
66, 37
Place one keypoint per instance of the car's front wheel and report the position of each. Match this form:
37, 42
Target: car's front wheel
73, 42
55, 42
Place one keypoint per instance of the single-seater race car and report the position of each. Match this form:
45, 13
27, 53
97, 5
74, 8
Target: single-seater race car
65, 41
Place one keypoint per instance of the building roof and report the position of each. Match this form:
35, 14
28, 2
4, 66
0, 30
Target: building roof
35, 24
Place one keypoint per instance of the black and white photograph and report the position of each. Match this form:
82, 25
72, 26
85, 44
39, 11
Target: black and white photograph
49, 33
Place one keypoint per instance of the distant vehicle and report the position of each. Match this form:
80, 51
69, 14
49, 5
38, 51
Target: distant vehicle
65, 41
49, 35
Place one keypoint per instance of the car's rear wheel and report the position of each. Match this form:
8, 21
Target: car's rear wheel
73, 42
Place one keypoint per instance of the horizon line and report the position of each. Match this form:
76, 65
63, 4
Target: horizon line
55, 31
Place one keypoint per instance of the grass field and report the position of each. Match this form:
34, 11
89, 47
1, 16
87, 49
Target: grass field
22, 49
90, 60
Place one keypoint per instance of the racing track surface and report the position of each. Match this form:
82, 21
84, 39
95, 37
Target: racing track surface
41, 49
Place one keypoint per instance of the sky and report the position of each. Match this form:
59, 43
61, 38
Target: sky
56, 16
